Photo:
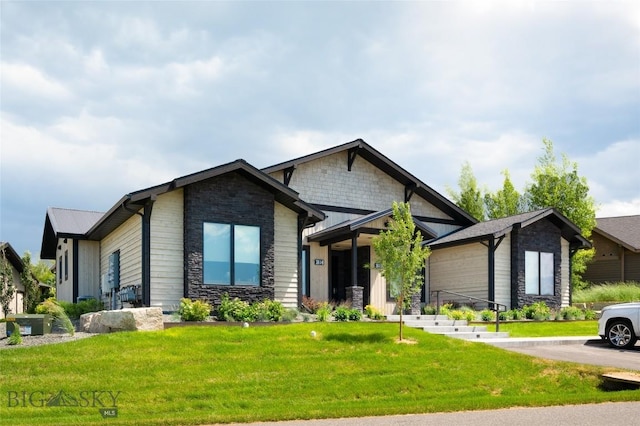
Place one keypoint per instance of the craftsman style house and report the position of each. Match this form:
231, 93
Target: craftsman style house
14, 267
617, 244
299, 228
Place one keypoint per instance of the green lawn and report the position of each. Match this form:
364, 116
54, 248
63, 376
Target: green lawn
547, 328
199, 375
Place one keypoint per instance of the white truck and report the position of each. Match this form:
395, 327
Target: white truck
620, 324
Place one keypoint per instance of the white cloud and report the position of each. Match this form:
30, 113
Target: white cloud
28, 80
619, 208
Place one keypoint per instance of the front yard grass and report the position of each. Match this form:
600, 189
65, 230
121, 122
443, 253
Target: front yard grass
203, 375
547, 328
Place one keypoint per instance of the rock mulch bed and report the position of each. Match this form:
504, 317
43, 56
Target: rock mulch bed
46, 339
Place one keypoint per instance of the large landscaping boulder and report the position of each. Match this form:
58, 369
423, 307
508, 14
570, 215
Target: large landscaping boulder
129, 319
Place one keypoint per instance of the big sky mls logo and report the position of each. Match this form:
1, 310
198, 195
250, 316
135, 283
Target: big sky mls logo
106, 401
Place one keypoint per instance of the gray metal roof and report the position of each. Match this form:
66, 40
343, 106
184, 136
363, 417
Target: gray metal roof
72, 222
12, 256
65, 223
624, 230
498, 227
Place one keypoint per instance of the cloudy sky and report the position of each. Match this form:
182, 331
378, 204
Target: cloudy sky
99, 99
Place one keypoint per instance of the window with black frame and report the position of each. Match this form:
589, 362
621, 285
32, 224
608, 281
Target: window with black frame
231, 254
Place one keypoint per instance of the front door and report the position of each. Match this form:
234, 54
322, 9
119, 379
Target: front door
341, 274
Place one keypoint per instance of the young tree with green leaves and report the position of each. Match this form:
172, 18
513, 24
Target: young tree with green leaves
400, 251
560, 186
470, 197
504, 202
31, 285
7, 288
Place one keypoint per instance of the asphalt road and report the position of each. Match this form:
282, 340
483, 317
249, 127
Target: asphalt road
618, 413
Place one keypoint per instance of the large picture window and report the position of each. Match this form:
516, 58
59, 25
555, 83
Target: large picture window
539, 273
231, 254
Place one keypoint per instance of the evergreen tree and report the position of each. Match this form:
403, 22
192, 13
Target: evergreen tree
7, 288
504, 202
470, 197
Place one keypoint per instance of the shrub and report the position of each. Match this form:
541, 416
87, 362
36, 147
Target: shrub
487, 315
504, 316
446, 308
516, 314
538, 311
16, 337
341, 313
290, 315
429, 310
324, 312
456, 314
373, 313
571, 313
355, 315
197, 310
75, 310
234, 310
311, 305
53, 308
267, 310
590, 314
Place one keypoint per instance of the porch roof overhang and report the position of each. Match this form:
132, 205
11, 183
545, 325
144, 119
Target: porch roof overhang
362, 225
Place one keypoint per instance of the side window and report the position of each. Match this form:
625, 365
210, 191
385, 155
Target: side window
231, 254
539, 273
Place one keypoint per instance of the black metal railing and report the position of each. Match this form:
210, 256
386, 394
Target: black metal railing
492, 305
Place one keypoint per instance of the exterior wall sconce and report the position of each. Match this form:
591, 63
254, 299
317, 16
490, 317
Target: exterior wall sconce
377, 265
318, 262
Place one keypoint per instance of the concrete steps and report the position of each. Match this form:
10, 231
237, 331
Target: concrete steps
441, 324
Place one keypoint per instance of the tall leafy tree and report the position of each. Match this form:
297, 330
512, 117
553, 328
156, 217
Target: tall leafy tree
402, 255
43, 273
7, 288
560, 186
504, 202
470, 196
31, 286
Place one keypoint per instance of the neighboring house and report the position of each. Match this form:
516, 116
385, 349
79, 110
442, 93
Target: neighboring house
515, 261
299, 228
230, 229
8, 254
617, 244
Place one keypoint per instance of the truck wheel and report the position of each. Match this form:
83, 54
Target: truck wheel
620, 335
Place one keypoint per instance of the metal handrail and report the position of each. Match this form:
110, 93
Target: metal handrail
496, 305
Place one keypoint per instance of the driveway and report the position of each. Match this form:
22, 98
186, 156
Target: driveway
594, 352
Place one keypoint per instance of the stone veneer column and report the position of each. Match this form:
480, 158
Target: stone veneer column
415, 303
355, 294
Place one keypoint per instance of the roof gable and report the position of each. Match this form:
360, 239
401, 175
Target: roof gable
128, 205
359, 148
12, 256
65, 223
499, 227
623, 230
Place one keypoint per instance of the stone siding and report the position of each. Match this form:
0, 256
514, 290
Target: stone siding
232, 199
542, 236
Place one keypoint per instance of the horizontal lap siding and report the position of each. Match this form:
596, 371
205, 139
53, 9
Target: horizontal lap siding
460, 269
286, 256
167, 251
126, 238
88, 267
502, 268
